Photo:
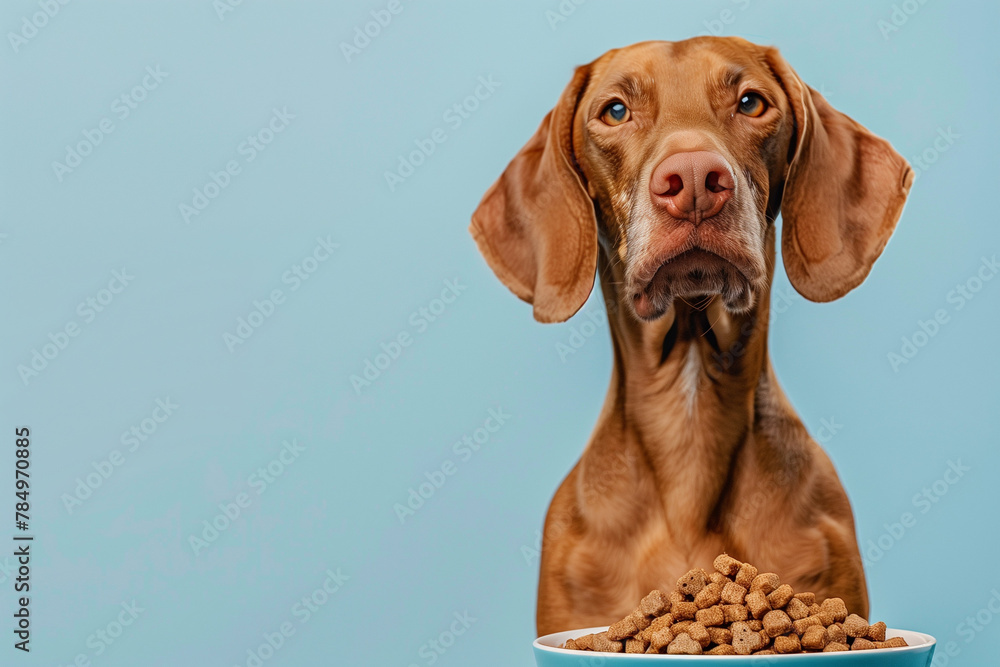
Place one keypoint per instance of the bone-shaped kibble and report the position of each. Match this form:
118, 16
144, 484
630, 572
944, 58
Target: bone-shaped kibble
745, 640
692, 582
712, 616
683, 644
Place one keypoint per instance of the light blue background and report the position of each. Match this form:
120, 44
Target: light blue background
469, 547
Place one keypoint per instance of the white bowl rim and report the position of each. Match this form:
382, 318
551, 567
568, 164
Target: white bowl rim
927, 641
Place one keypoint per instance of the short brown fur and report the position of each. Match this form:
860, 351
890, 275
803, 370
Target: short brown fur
697, 450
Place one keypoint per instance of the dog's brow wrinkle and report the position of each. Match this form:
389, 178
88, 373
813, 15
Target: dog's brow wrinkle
634, 88
732, 76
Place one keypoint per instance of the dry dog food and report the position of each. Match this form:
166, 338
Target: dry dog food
736, 611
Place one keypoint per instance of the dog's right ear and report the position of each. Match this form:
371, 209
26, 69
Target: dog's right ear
536, 225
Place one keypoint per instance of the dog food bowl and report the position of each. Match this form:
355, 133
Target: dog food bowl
917, 654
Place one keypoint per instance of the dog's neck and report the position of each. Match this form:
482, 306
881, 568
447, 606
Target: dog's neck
682, 396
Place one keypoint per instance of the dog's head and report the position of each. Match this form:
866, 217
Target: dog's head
676, 158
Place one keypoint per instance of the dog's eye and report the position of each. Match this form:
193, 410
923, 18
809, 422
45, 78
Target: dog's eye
615, 113
752, 105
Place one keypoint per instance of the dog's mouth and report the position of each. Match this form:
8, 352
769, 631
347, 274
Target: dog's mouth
691, 275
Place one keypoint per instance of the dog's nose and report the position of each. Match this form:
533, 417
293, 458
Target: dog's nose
692, 185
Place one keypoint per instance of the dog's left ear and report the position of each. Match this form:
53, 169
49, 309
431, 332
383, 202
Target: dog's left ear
844, 192
536, 225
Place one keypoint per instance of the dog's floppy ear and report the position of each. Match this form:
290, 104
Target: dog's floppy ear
844, 192
536, 225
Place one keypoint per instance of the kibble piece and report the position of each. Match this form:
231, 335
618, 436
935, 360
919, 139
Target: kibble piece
626, 627
745, 640
675, 597
680, 626
836, 646
585, 643
605, 645
808, 599
755, 624
835, 633
660, 622
635, 645
699, 633
735, 612
855, 626
571, 645
745, 575
787, 644
894, 642
684, 645
766, 651
720, 635
684, 610
719, 578
709, 595
660, 638
733, 593
764, 638
876, 632
727, 565
712, 616
836, 607
862, 644
765, 583
796, 609
655, 604
814, 638
780, 596
825, 618
777, 622
722, 649
814, 609
692, 582
800, 626
757, 603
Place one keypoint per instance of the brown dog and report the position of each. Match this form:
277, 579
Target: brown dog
663, 167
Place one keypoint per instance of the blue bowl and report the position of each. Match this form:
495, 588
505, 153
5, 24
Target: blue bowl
917, 654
